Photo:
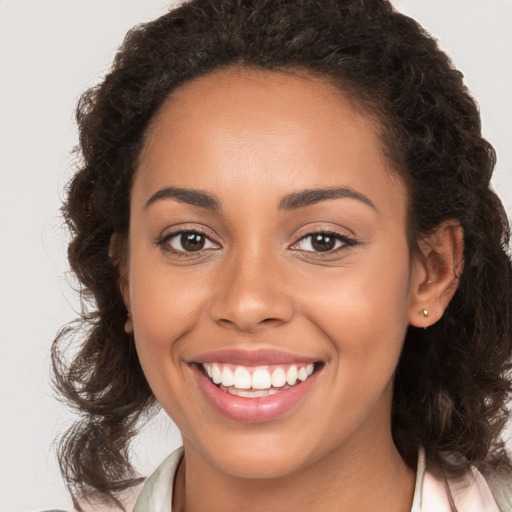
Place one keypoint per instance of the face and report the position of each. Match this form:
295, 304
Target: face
268, 274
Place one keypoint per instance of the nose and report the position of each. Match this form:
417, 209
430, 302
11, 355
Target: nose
251, 294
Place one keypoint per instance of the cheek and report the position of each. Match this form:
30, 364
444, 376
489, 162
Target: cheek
364, 310
365, 317
165, 306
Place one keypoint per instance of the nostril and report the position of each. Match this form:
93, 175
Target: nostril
269, 320
249, 326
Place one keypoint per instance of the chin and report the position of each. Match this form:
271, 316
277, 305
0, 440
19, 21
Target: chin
271, 456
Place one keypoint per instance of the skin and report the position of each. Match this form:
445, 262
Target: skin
250, 138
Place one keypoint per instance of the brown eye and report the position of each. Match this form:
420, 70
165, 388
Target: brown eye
192, 241
187, 242
322, 242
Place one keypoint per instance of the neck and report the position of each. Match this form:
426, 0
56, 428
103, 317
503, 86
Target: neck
372, 478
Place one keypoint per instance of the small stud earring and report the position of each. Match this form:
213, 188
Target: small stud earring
128, 325
425, 313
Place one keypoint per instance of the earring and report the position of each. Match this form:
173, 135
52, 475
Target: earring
425, 313
128, 325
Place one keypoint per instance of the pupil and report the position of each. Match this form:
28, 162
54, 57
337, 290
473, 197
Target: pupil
323, 243
192, 241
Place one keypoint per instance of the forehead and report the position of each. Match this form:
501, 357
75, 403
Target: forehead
255, 127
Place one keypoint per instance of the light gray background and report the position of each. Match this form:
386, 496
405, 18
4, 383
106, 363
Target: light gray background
50, 51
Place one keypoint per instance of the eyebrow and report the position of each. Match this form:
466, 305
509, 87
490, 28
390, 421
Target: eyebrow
310, 197
291, 201
186, 195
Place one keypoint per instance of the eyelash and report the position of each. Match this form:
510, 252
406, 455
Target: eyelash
345, 241
164, 242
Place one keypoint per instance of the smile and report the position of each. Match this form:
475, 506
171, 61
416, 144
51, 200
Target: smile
258, 381
255, 387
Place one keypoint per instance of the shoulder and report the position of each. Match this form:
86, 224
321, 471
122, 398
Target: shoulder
127, 498
156, 494
500, 483
466, 492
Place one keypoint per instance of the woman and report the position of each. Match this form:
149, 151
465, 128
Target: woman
284, 219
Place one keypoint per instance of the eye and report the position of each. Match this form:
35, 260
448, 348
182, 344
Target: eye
322, 242
187, 242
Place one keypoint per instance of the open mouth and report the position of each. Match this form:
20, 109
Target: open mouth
257, 381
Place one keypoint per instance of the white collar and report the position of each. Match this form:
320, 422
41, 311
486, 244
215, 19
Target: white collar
432, 490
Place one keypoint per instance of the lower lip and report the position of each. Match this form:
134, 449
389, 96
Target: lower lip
253, 410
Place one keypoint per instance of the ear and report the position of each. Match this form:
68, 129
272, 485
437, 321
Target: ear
435, 273
118, 254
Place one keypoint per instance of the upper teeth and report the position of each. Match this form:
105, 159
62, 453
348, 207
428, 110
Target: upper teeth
259, 377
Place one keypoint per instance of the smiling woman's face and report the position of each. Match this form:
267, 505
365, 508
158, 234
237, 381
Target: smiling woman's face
268, 239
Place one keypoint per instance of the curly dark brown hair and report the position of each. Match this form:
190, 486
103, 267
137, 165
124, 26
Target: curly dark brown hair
452, 383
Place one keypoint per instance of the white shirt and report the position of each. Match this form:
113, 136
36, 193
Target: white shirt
470, 492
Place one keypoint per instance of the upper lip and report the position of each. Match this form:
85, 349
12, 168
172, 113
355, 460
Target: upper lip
251, 357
